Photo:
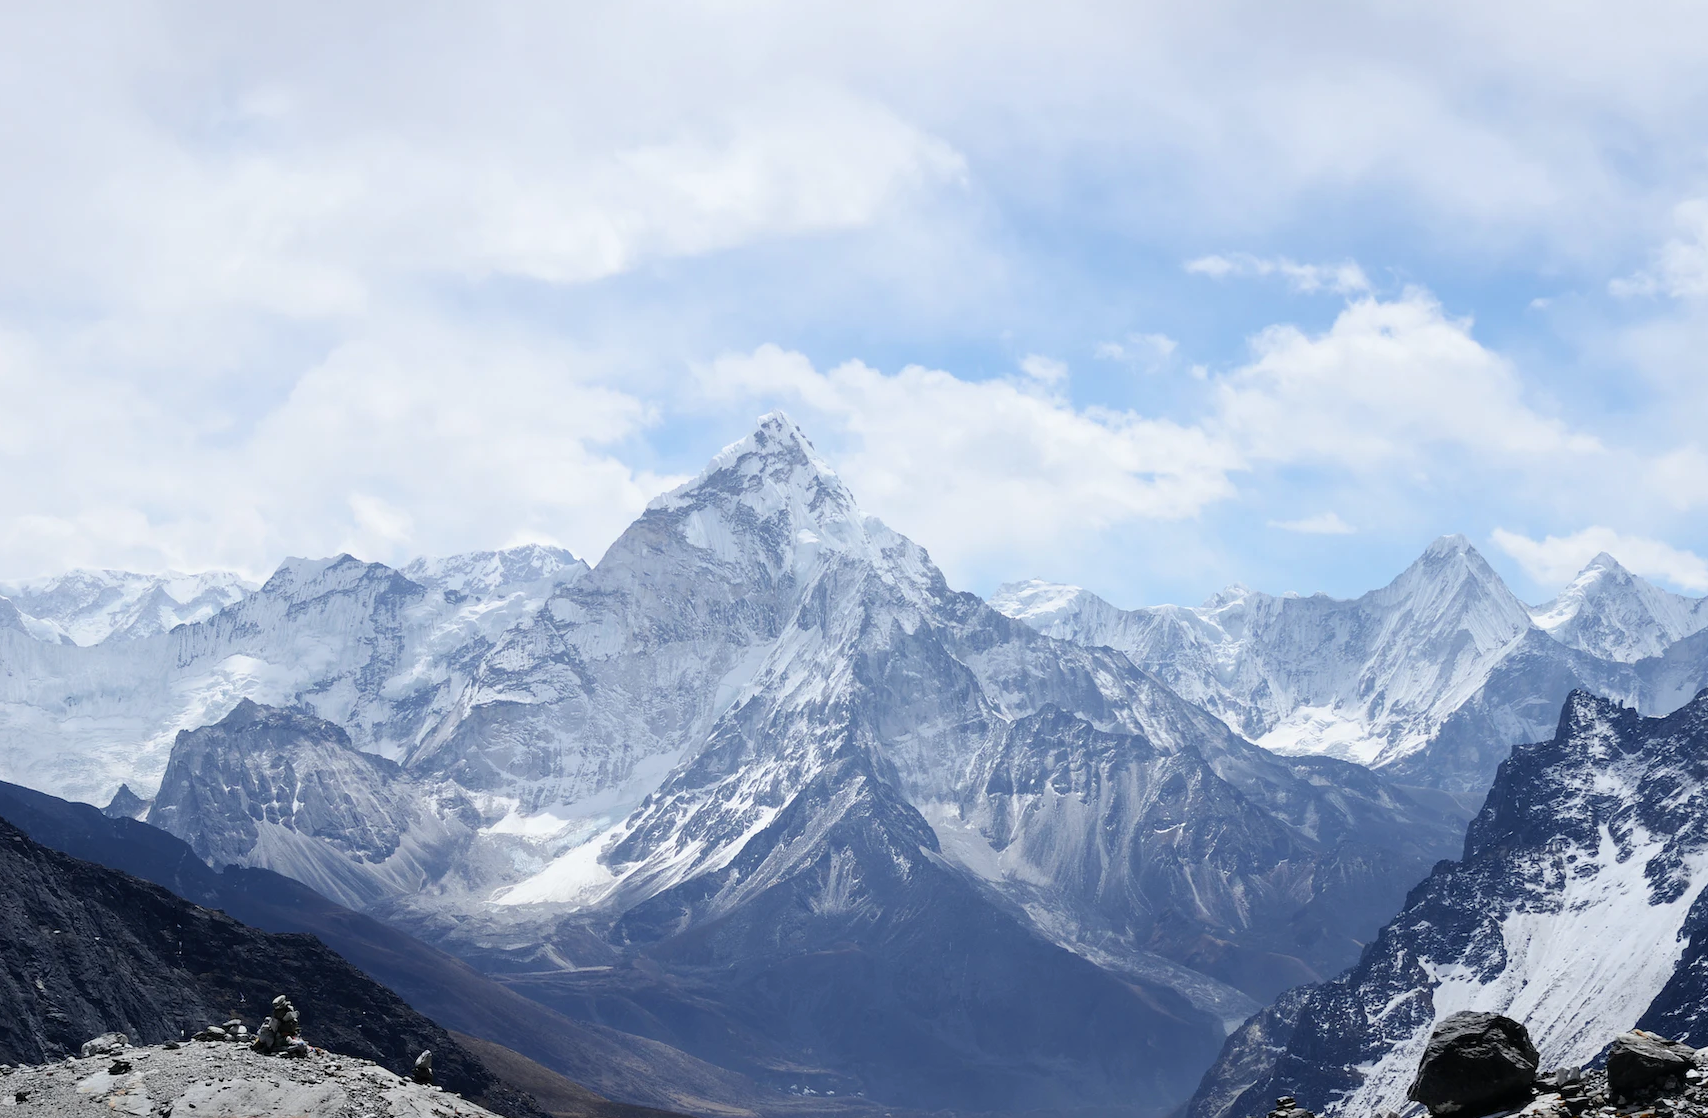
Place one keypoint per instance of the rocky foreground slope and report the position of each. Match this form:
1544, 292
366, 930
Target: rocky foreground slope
206, 1079
85, 950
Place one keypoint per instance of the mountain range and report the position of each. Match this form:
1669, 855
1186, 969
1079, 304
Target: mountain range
1430, 679
759, 786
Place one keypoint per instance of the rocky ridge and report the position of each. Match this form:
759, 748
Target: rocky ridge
1577, 908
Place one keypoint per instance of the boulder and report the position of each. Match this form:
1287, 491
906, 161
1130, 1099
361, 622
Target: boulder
1641, 1065
1475, 1064
105, 1045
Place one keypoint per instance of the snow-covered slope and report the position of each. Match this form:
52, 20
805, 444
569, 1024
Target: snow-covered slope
88, 607
1577, 908
488, 574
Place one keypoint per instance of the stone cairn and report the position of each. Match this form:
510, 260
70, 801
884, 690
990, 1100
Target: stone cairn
279, 1035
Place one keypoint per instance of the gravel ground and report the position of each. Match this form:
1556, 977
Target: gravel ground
212, 1079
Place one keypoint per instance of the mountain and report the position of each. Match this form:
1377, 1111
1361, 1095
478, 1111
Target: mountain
1578, 908
887, 800
88, 607
1611, 613
1430, 679
85, 950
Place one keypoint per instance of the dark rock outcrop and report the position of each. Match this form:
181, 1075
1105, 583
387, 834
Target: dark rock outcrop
1641, 1065
1475, 1063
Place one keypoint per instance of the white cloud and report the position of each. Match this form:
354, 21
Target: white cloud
1556, 560
1385, 385
1147, 351
1680, 268
258, 296
1322, 524
975, 470
1389, 392
412, 439
1680, 477
1346, 278
1045, 370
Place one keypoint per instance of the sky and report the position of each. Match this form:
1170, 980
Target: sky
1145, 297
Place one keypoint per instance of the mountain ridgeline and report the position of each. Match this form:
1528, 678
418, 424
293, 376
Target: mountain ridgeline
761, 789
1430, 680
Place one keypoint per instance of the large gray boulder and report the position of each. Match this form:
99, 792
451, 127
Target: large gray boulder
1640, 1065
106, 1044
1475, 1064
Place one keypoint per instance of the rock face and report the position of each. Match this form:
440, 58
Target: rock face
126, 804
1475, 1064
1576, 908
1641, 1065
288, 791
85, 950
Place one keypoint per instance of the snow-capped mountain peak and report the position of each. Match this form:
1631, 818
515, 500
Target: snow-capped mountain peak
778, 452
1609, 612
771, 498
1227, 596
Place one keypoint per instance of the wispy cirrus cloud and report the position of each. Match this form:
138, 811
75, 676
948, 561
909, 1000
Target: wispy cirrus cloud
1345, 278
1322, 524
1680, 267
